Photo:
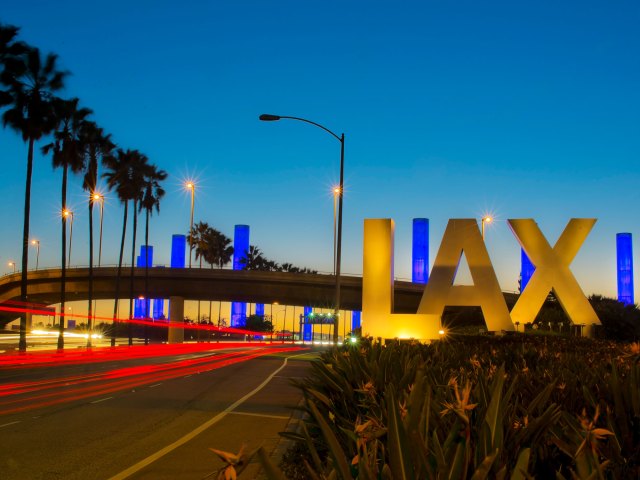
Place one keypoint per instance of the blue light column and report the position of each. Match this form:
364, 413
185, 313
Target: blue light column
178, 255
625, 268
178, 249
307, 328
142, 308
420, 251
526, 269
260, 309
240, 248
356, 319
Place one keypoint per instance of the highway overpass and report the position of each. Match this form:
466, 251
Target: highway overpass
301, 289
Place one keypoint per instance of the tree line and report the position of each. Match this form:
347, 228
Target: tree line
30, 83
214, 247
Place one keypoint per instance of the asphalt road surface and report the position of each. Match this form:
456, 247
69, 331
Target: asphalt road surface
144, 418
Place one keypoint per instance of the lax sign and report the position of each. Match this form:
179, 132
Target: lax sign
463, 236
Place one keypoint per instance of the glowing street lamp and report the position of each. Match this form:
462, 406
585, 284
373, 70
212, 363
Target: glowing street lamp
192, 187
66, 214
13, 264
37, 245
486, 219
98, 197
265, 117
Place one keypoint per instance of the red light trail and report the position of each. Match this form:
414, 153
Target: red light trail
24, 396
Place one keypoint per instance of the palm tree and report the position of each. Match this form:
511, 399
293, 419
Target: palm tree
98, 145
219, 251
140, 170
253, 259
31, 86
153, 193
68, 153
198, 240
125, 175
11, 53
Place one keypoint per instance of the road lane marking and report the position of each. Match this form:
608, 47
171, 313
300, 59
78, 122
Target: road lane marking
279, 417
191, 435
186, 376
10, 423
102, 400
156, 385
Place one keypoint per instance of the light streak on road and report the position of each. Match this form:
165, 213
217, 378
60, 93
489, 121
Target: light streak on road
24, 396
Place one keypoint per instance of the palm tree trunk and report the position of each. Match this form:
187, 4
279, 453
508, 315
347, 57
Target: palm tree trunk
118, 274
22, 344
147, 301
133, 258
63, 276
90, 308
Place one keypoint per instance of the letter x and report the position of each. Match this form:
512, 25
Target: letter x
552, 271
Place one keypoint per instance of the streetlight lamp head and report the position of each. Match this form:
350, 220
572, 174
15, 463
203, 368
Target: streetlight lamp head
96, 197
488, 219
190, 185
336, 190
266, 117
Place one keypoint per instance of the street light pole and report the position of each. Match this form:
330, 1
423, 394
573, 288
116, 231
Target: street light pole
270, 118
486, 219
67, 213
191, 186
37, 244
100, 198
336, 191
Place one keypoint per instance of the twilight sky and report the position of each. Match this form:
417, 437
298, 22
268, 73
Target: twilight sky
451, 109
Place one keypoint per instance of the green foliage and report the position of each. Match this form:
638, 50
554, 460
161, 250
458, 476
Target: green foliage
257, 323
514, 407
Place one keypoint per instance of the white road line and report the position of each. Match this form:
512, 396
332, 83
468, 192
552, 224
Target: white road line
279, 417
156, 385
102, 400
186, 376
10, 423
191, 435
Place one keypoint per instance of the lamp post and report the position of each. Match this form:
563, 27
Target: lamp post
13, 264
336, 192
191, 186
97, 197
486, 219
69, 213
37, 245
270, 118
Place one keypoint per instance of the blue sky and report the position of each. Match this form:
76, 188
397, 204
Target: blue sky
450, 110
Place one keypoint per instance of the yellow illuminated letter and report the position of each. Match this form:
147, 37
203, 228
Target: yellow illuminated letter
463, 236
552, 271
378, 319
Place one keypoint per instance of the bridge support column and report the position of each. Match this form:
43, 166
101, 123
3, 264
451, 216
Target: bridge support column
176, 320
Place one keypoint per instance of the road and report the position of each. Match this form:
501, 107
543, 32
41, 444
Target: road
139, 417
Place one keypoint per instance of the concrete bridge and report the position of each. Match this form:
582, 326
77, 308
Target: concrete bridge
300, 289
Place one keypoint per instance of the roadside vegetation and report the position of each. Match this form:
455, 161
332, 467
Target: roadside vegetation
517, 407
475, 407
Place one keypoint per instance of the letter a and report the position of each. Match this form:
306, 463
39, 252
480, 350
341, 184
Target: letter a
552, 271
463, 236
